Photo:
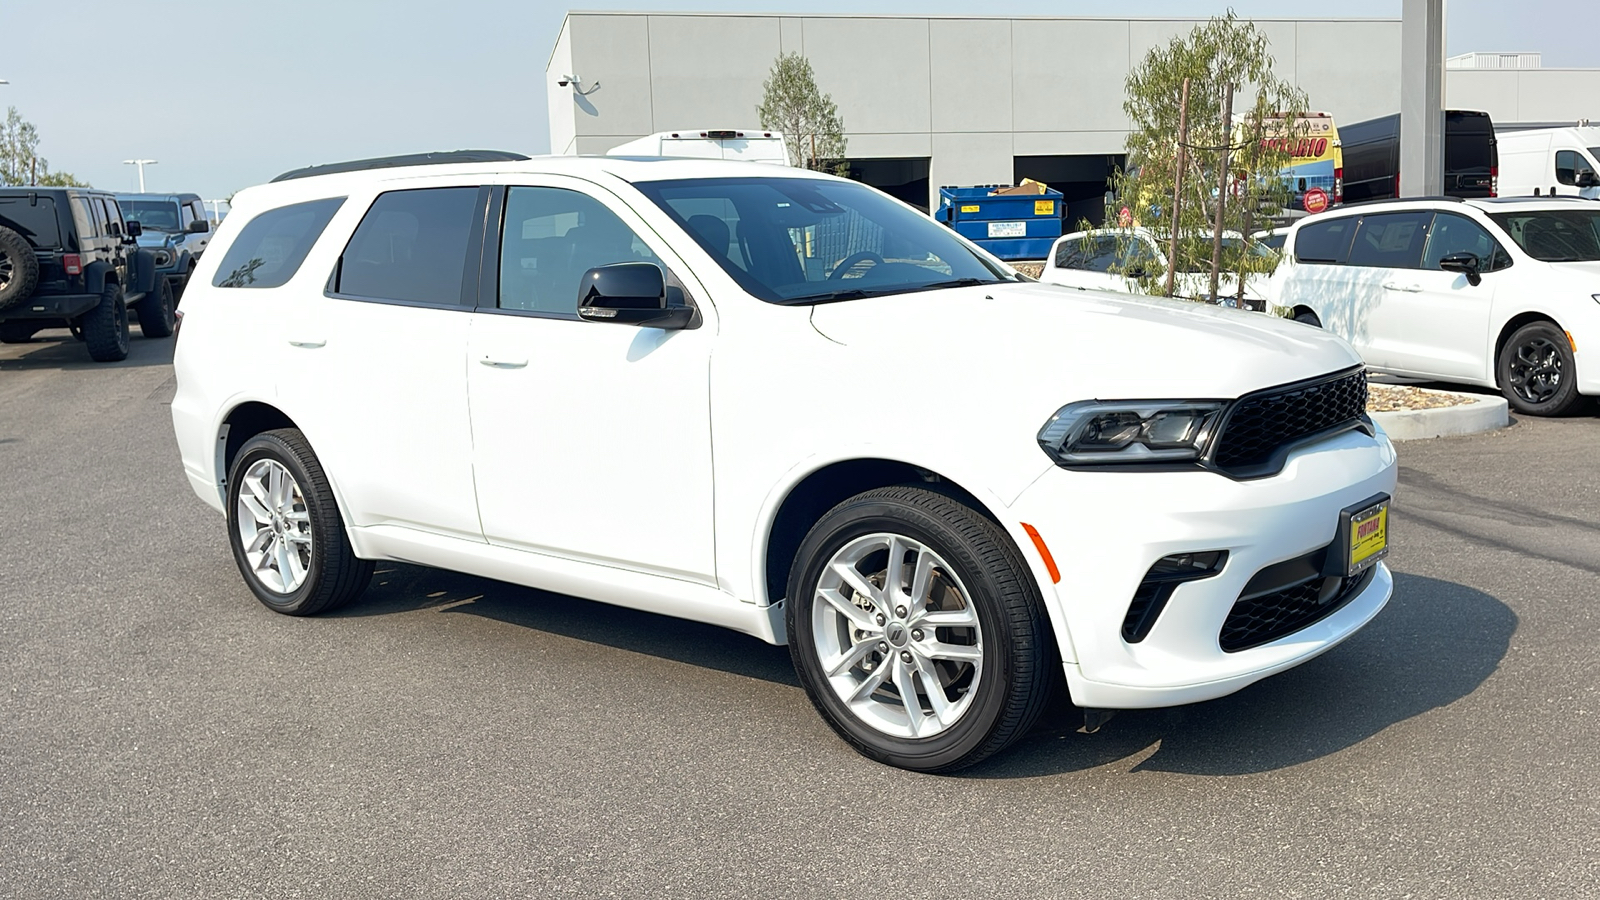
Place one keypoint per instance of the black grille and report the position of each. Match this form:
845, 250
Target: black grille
1263, 619
1263, 424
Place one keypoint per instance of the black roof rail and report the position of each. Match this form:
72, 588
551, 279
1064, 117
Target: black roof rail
1443, 198
436, 158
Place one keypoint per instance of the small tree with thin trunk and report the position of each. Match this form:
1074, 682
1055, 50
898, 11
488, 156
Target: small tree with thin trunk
792, 103
20, 162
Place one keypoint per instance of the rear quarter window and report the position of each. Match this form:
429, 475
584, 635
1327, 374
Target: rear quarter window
34, 219
270, 249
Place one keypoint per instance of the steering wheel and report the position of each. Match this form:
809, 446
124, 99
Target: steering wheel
850, 263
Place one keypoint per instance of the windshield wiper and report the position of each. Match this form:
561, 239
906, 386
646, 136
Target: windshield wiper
858, 293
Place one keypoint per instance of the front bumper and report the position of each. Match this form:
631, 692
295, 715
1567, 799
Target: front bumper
1106, 529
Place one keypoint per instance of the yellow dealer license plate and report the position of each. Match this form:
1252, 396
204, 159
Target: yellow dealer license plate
1367, 536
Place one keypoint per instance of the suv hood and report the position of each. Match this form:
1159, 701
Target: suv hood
156, 239
1063, 344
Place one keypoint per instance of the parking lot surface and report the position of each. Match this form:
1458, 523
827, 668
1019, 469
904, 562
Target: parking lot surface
164, 735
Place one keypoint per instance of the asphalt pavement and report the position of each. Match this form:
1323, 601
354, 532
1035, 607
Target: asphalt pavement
164, 735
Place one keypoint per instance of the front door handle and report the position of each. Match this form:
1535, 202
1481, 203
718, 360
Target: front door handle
503, 363
1408, 288
309, 344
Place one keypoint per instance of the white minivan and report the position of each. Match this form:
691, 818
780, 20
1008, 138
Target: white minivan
1494, 292
787, 404
1550, 162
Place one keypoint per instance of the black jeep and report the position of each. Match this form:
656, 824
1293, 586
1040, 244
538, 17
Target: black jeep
68, 260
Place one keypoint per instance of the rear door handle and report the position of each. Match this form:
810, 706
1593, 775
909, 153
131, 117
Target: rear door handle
309, 344
503, 363
1408, 288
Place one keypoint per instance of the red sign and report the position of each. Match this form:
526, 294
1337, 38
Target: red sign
1125, 217
1316, 200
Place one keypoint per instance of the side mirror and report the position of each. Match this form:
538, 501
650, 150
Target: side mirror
134, 229
1466, 263
629, 294
1586, 178
198, 226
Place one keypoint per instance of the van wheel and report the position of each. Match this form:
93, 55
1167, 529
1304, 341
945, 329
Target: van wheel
1536, 372
105, 328
285, 529
917, 630
158, 314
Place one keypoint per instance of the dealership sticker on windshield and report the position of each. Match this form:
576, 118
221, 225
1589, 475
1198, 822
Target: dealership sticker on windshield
1368, 537
1008, 229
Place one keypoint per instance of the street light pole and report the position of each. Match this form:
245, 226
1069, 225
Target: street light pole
141, 163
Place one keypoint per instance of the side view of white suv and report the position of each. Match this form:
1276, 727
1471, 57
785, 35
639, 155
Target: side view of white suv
787, 404
1500, 293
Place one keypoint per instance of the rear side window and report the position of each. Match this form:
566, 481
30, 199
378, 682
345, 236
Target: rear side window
411, 247
1391, 240
35, 220
1325, 241
270, 249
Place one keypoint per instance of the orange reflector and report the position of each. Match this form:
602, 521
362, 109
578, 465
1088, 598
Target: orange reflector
1049, 561
1572, 342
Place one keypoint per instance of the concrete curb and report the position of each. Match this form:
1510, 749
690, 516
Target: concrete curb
1485, 414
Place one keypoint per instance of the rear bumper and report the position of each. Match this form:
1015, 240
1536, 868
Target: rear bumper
53, 306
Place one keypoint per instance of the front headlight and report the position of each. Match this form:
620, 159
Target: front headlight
163, 257
1094, 432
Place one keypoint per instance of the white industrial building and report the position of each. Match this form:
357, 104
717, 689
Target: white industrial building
929, 101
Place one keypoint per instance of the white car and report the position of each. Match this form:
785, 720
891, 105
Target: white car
1499, 293
787, 404
1114, 259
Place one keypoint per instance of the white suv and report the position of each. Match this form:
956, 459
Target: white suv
790, 405
1500, 293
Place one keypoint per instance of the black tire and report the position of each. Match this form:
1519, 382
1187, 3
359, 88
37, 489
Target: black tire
19, 269
1308, 318
105, 328
1536, 371
333, 575
158, 312
177, 292
17, 332
1018, 652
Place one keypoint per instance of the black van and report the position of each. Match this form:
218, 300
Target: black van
1372, 156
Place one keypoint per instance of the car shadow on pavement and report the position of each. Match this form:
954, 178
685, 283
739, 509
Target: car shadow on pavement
1434, 644
56, 349
399, 588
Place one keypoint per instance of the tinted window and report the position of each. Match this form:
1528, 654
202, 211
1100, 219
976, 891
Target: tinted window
1140, 259
1569, 165
114, 216
1325, 241
807, 239
1390, 240
153, 215
551, 238
273, 245
83, 219
35, 220
411, 246
1566, 235
102, 223
185, 215
1071, 255
1452, 234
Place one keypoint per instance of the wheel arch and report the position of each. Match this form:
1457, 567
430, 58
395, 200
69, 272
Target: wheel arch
1509, 328
242, 423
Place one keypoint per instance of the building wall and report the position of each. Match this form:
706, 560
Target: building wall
969, 93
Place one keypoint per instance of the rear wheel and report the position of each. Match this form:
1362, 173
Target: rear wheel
917, 630
17, 332
19, 269
105, 328
1536, 372
158, 313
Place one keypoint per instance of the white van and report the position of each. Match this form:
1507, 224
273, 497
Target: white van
1545, 161
750, 146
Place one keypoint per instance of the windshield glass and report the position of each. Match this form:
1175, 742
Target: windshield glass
801, 240
1555, 235
154, 215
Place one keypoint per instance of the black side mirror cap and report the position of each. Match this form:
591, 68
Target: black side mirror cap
198, 226
1466, 263
1586, 179
630, 294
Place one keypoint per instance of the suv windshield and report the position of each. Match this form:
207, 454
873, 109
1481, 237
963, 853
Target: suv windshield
153, 215
808, 240
1554, 235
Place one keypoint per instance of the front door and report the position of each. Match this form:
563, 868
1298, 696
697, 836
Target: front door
591, 441
1447, 316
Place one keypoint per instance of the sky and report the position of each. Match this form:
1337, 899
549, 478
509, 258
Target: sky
229, 94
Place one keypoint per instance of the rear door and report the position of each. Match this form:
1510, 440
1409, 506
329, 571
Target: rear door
1471, 158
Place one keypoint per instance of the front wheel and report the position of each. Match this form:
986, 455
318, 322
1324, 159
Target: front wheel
1536, 372
285, 529
158, 313
917, 630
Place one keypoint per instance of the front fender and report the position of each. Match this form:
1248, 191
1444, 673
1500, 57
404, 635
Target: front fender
141, 272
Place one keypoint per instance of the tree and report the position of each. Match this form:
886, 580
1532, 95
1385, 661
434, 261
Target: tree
791, 103
1222, 57
20, 162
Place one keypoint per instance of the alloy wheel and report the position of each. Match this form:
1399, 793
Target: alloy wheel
274, 526
1536, 369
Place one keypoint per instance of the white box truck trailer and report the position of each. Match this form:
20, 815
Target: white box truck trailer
752, 145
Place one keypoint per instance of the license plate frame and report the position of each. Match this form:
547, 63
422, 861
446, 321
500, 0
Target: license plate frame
1358, 547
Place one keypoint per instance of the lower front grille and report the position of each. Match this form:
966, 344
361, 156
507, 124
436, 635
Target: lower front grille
1264, 618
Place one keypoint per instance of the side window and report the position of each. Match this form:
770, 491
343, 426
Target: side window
1140, 259
114, 217
551, 237
102, 225
1069, 255
1105, 255
199, 210
1567, 163
83, 219
185, 216
411, 246
1390, 240
1324, 242
270, 249
1453, 234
